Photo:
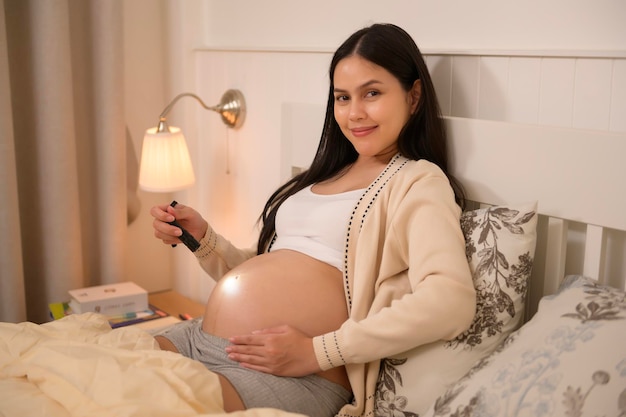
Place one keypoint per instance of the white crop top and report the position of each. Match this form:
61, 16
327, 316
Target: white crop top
316, 224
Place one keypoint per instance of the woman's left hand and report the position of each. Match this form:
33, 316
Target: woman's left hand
282, 351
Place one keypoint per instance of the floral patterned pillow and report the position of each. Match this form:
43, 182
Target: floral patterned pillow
500, 245
568, 360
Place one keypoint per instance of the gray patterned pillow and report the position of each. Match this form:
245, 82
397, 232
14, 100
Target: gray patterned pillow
500, 245
568, 360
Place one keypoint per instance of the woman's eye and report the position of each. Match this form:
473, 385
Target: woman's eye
372, 93
341, 98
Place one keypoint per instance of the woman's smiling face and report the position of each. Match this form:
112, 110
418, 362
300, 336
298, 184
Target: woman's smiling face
371, 106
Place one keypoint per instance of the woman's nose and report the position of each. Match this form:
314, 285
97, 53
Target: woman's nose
357, 111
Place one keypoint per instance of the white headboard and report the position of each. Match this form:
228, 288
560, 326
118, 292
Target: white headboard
577, 177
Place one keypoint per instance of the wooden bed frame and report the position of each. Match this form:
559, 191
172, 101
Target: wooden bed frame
577, 177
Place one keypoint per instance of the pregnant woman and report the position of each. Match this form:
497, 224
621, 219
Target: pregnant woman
360, 257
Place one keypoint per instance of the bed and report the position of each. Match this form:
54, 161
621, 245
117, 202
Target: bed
560, 350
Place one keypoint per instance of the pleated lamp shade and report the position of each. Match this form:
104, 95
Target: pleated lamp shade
165, 162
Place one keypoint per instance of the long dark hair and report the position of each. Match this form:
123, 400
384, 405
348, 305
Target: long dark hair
423, 136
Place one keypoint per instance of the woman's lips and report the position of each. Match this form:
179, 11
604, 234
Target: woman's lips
362, 131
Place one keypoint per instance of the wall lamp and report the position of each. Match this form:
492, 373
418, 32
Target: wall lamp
165, 163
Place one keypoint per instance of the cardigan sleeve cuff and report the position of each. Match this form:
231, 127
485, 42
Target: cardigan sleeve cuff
327, 351
208, 243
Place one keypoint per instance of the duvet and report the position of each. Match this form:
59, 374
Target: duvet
78, 366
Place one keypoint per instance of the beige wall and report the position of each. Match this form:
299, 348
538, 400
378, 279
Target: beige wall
436, 24
146, 62
159, 39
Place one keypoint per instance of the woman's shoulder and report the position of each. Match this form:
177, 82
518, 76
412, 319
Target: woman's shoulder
407, 184
403, 174
419, 169
421, 180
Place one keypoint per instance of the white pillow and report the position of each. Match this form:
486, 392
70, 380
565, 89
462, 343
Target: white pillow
500, 245
568, 360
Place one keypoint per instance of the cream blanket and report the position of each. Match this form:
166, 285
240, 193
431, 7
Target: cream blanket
78, 366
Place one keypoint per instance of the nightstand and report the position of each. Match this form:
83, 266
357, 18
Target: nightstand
175, 304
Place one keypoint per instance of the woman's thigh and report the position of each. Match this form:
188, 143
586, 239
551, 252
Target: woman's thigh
166, 344
232, 400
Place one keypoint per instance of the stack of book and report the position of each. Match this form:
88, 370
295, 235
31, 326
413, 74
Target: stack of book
124, 304
137, 317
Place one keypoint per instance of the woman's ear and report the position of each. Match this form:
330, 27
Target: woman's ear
415, 94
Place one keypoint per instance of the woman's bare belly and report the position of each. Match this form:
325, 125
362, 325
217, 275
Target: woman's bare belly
276, 288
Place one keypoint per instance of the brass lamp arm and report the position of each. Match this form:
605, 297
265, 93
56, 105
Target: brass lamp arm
178, 97
232, 108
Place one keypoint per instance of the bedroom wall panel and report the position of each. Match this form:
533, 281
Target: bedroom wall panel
556, 95
522, 97
465, 76
586, 93
592, 93
440, 68
494, 79
618, 97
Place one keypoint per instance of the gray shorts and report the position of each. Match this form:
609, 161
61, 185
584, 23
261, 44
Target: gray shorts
311, 395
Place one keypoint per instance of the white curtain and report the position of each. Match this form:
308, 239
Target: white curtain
64, 187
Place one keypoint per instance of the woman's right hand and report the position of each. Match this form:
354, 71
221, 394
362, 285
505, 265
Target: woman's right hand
187, 217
